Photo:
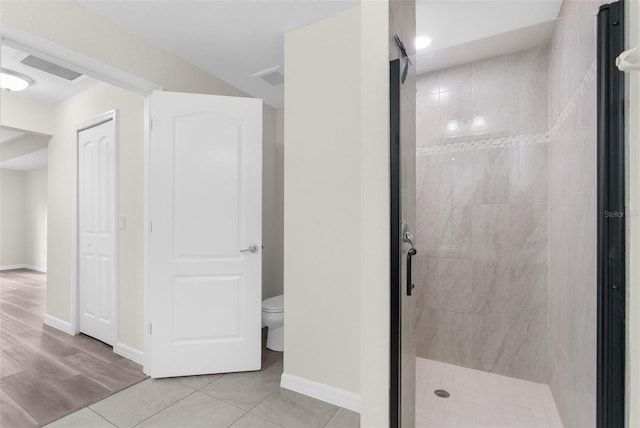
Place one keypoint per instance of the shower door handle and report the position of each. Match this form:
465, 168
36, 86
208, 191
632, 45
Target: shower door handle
412, 252
407, 238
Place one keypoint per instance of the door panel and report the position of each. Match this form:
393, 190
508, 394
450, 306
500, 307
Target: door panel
408, 210
96, 227
200, 163
402, 156
205, 209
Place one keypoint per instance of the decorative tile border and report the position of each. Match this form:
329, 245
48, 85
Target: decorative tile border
485, 143
587, 80
542, 137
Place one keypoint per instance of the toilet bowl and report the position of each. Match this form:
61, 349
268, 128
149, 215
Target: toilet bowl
273, 319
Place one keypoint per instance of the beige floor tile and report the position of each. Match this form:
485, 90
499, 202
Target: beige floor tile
344, 419
143, 400
194, 411
244, 390
253, 421
198, 382
293, 410
83, 418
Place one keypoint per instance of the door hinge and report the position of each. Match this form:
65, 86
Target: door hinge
150, 226
150, 329
151, 125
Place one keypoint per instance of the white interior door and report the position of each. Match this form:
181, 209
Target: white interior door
204, 288
96, 231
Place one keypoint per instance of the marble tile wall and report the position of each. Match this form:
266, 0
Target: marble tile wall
510, 91
482, 208
572, 213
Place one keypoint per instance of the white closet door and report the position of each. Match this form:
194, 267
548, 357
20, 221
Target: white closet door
96, 231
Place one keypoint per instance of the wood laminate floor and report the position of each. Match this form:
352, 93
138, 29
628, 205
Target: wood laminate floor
45, 373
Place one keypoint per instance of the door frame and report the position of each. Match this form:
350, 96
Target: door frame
111, 115
84, 64
612, 217
395, 310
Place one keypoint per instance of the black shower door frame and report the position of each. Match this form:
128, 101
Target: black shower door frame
610, 401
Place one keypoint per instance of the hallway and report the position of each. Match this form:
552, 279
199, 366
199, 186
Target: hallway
45, 373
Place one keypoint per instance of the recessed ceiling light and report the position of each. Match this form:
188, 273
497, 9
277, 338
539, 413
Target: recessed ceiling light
14, 82
422, 42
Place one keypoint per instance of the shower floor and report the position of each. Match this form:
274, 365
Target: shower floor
480, 399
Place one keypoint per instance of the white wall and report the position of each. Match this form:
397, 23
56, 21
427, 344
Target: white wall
62, 156
23, 230
336, 206
633, 224
61, 22
11, 218
375, 220
322, 202
35, 215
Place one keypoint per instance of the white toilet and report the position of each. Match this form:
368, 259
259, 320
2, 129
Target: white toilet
273, 318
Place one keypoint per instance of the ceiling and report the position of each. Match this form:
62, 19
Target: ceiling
7, 134
28, 162
48, 88
489, 47
455, 22
235, 39
22, 150
230, 39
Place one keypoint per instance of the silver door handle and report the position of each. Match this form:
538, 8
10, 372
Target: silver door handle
407, 236
253, 248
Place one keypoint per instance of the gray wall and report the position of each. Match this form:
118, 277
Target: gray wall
482, 216
572, 219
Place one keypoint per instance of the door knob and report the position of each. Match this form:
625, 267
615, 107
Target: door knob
253, 248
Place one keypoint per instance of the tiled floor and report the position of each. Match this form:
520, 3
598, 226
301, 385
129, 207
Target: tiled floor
46, 374
480, 399
238, 400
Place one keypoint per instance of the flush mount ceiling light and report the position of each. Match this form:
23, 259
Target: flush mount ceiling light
14, 82
422, 42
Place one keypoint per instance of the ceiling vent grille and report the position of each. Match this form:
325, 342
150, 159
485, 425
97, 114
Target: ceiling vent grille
51, 68
271, 75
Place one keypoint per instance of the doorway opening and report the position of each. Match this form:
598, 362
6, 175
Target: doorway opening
65, 107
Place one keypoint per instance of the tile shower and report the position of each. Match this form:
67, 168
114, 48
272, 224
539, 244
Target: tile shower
506, 176
483, 216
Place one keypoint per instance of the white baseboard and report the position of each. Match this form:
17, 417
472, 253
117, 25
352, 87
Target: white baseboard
59, 324
339, 397
11, 267
30, 267
128, 352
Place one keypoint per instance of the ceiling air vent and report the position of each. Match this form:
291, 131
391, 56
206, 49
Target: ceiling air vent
271, 75
51, 68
